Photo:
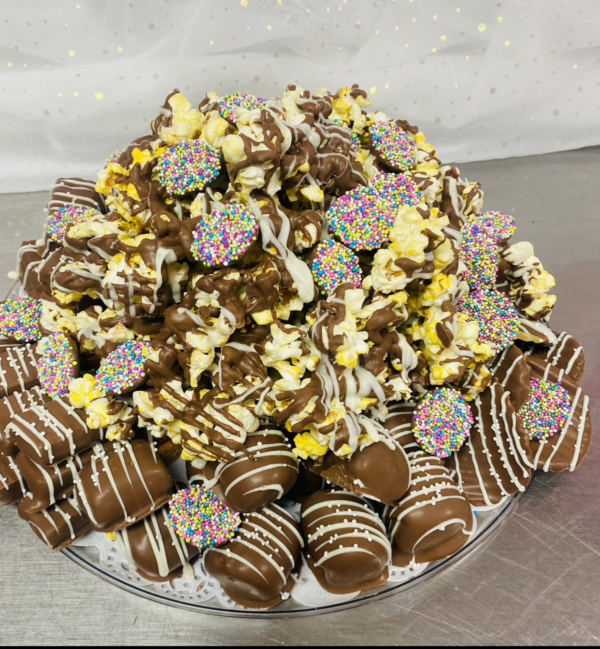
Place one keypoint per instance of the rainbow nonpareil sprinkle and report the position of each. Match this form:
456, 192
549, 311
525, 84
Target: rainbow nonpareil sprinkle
396, 190
501, 226
19, 319
223, 237
479, 252
361, 218
442, 422
123, 368
393, 145
496, 315
57, 366
201, 519
334, 264
546, 410
63, 218
229, 104
187, 167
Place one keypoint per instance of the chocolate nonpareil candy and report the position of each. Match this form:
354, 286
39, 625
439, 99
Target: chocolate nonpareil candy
256, 567
17, 404
346, 545
52, 432
124, 484
12, 484
60, 524
154, 551
18, 369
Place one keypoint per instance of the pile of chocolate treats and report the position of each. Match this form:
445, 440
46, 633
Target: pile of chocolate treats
294, 297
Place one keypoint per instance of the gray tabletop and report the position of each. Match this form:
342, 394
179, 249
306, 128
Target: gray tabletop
537, 581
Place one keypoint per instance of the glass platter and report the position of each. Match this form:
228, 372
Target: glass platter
103, 558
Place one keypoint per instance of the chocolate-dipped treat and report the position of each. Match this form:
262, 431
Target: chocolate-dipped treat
48, 485
12, 484
557, 419
59, 525
17, 404
74, 191
154, 551
510, 370
125, 483
496, 459
434, 520
262, 472
379, 471
18, 369
52, 432
566, 355
306, 484
346, 545
257, 567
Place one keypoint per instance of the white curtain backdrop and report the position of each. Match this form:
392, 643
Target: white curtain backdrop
483, 79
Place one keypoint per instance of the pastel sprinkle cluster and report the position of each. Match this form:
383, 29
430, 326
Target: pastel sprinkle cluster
230, 103
123, 368
442, 421
223, 237
201, 519
393, 145
355, 143
113, 158
501, 226
63, 218
361, 218
187, 167
546, 410
479, 253
19, 319
334, 264
497, 317
397, 189
57, 365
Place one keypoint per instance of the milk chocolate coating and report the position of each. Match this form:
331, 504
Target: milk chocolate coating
565, 355
255, 567
510, 370
18, 369
126, 483
495, 460
17, 404
306, 484
51, 433
347, 548
567, 448
153, 549
47, 485
376, 471
28, 262
59, 525
264, 471
75, 191
12, 484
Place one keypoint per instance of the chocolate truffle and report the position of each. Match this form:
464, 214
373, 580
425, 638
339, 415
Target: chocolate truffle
264, 471
347, 548
256, 568
154, 551
12, 485
18, 369
17, 404
125, 483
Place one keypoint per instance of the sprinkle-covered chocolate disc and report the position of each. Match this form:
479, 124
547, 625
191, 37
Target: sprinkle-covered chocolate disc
546, 410
479, 252
187, 167
19, 319
442, 421
58, 364
123, 369
201, 519
501, 226
496, 315
229, 104
63, 218
397, 189
393, 146
361, 218
223, 237
334, 264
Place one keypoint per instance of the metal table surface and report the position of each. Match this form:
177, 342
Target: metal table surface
536, 582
